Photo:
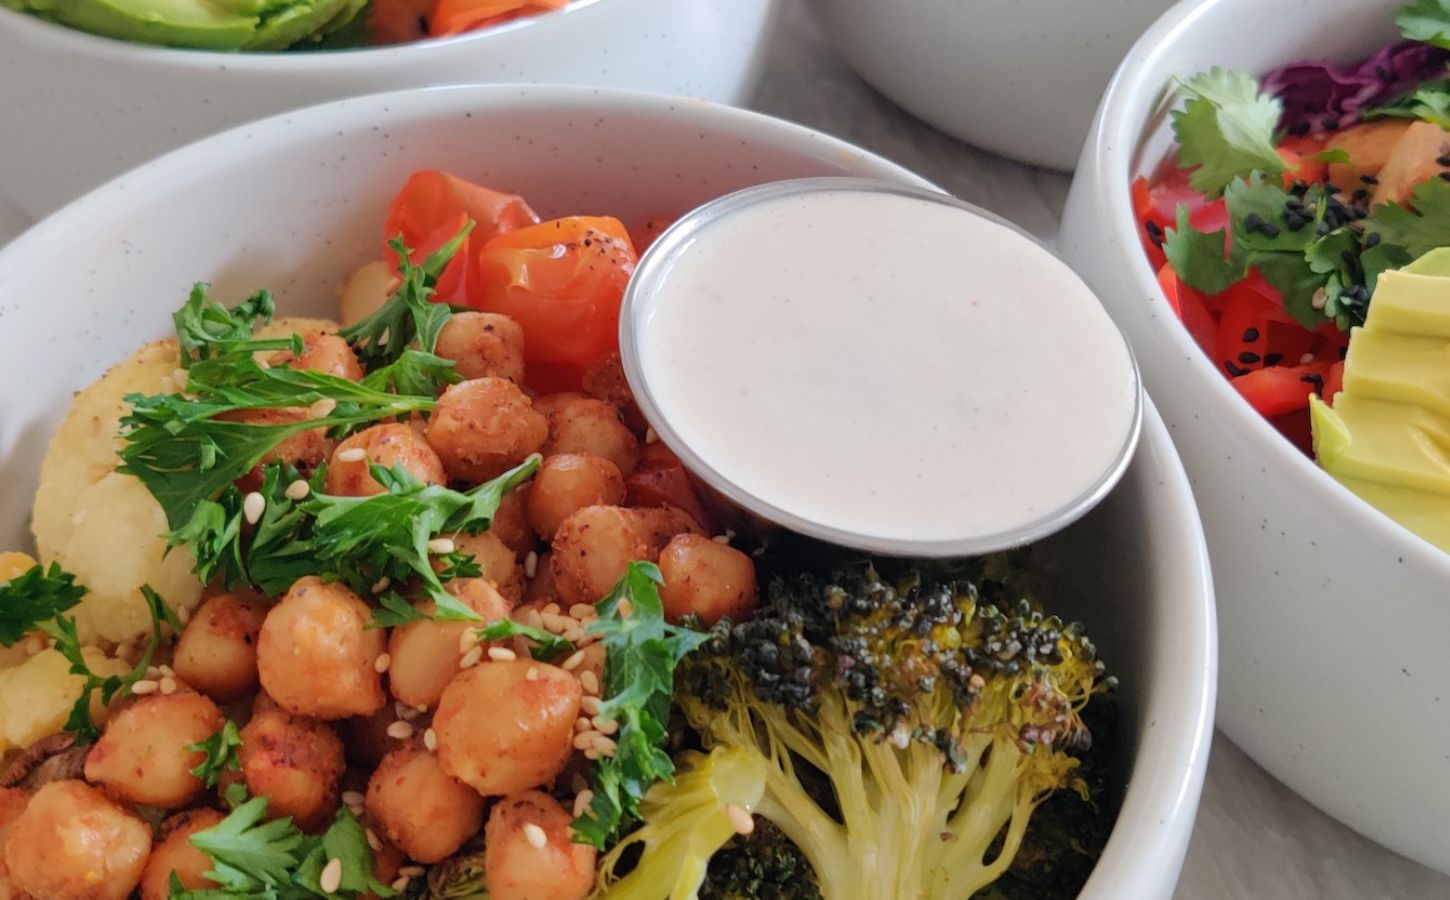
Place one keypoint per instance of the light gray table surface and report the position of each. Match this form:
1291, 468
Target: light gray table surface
1255, 839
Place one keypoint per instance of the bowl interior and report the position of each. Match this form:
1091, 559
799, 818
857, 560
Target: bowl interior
296, 202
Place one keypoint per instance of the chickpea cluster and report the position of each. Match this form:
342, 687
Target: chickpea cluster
435, 739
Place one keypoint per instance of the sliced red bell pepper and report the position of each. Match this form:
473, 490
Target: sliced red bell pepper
1276, 390
1188, 305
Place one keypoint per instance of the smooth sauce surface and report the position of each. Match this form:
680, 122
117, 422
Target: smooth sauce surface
886, 365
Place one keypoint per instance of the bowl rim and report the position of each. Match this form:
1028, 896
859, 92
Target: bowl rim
1161, 795
1113, 142
65, 39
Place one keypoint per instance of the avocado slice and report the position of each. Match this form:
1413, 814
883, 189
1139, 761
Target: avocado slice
300, 21
200, 24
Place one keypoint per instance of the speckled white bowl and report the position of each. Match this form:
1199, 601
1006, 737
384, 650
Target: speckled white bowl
1336, 676
79, 109
295, 202
1017, 77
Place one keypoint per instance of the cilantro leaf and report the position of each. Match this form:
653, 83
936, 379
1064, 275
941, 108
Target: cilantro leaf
34, 596
1419, 227
1291, 275
221, 754
1226, 130
1426, 21
344, 840
547, 646
410, 314
1198, 257
205, 329
1429, 102
641, 653
67, 642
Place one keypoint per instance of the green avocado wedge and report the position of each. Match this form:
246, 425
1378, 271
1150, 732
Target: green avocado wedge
224, 25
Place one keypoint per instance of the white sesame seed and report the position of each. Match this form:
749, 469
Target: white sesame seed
590, 681
153, 672
168, 685
166, 670
399, 708
421, 708
471, 658
551, 609
441, 546
582, 801
410, 871
583, 723
532, 674
430, 740
591, 754
468, 640
604, 745
373, 843
740, 819
553, 621
381, 584
331, 878
531, 618
253, 505
590, 705
381, 664
604, 726
585, 739
400, 883
501, 654
574, 661
321, 408
144, 686
351, 455
1306, 359
580, 610
651, 436
263, 364
625, 607
400, 730
721, 539
409, 714
572, 635
535, 836
183, 614
353, 798
531, 564
297, 490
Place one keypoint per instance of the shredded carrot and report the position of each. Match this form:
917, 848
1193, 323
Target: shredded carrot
458, 16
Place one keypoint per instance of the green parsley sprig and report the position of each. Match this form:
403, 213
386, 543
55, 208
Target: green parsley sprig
205, 329
641, 653
34, 597
409, 315
68, 644
220, 754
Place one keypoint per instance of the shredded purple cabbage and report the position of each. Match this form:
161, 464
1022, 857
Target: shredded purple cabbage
1321, 96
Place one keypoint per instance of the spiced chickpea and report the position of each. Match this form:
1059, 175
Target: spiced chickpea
592, 549
296, 763
12, 804
483, 345
142, 755
174, 853
530, 854
483, 427
568, 482
425, 654
72, 842
711, 580
511, 521
388, 445
497, 561
426, 812
316, 655
592, 426
217, 651
322, 352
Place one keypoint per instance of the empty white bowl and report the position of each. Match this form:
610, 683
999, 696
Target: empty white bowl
296, 202
1017, 77
79, 109
1334, 619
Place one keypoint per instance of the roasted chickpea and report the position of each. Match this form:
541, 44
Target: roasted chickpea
321, 352
217, 652
497, 560
174, 853
73, 843
12, 804
295, 762
592, 550
549, 405
593, 426
305, 449
511, 521
315, 654
388, 445
606, 381
568, 482
529, 852
483, 345
712, 580
142, 755
483, 427
501, 731
661, 523
422, 809
425, 654
366, 740
365, 291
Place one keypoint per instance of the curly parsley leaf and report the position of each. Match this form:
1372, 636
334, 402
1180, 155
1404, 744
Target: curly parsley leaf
34, 597
67, 642
221, 754
1226, 130
345, 841
1420, 226
546, 645
205, 329
409, 314
641, 653
1426, 21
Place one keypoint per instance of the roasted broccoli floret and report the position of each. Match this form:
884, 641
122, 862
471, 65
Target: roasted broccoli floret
763, 865
907, 730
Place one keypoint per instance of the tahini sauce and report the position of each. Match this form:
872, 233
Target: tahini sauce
887, 365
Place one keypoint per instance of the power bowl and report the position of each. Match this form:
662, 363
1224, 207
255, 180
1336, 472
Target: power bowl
295, 203
1335, 674
1020, 79
81, 109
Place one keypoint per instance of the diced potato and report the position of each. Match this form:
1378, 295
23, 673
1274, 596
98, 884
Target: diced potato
14, 564
1368, 145
40, 692
1415, 158
366, 290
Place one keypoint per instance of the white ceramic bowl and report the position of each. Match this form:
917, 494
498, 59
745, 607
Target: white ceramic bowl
1019, 78
1336, 676
79, 109
295, 203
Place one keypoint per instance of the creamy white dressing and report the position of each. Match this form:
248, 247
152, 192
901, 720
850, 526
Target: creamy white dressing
885, 366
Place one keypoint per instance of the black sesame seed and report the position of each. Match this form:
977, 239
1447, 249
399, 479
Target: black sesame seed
1442, 160
1232, 369
1273, 359
1248, 358
1372, 239
1316, 380
1251, 335
1370, 179
1253, 223
1269, 229
1322, 228
1299, 128
1331, 123
1444, 176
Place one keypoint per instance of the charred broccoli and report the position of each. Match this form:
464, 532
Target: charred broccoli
763, 865
906, 730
